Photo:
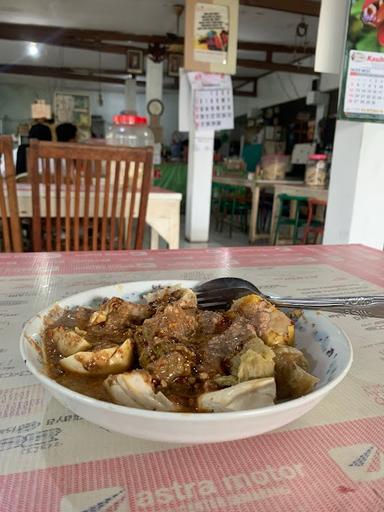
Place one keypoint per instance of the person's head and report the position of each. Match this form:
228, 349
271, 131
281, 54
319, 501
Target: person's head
40, 131
217, 144
66, 132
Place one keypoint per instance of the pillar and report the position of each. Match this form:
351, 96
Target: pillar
355, 210
130, 95
200, 166
331, 36
154, 80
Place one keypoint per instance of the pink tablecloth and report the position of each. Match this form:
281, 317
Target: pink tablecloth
331, 460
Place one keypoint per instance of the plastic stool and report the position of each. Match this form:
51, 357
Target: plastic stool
285, 220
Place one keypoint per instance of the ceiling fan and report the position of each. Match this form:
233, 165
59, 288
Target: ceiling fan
157, 51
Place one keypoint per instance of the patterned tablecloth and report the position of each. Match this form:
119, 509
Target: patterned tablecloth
331, 460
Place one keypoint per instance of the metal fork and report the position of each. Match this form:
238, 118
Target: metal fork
220, 293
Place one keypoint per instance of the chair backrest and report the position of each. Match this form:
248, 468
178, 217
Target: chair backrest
11, 239
86, 197
314, 205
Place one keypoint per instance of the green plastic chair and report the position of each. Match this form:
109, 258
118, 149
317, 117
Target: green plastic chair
239, 209
284, 218
229, 203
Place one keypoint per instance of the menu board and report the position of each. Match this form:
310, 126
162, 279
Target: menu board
362, 88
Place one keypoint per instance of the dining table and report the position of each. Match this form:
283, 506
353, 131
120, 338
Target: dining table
329, 460
163, 210
255, 184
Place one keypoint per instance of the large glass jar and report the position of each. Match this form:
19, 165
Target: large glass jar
274, 167
131, 131
316, 173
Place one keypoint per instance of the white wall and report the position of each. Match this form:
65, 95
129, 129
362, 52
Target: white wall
281, 87
243, 105
329, 82
17, 94
355, 205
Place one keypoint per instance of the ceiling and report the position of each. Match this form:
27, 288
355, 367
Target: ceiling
146, 17
151, 17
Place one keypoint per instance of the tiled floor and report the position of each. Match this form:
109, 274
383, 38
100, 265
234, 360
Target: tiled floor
217, 239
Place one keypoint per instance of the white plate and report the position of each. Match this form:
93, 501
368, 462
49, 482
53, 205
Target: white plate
326, 345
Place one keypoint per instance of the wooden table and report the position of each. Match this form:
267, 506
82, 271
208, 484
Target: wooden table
163, 213
255, 186
330, 460
294, 190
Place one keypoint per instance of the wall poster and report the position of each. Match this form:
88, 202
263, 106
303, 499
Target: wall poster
211, 36
362, 88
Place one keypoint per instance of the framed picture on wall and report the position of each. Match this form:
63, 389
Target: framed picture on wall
135, 62
211, 30
175, 62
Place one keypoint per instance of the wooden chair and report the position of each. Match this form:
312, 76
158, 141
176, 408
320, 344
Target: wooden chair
11, 240
86, 197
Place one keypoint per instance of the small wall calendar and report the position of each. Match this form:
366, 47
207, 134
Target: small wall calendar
362, 79
212, 100
364, 92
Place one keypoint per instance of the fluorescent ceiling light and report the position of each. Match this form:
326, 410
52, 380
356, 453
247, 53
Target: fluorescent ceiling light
33, 50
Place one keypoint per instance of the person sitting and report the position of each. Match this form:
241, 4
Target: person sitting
40, 131
176, 147
66, 132
37, 131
